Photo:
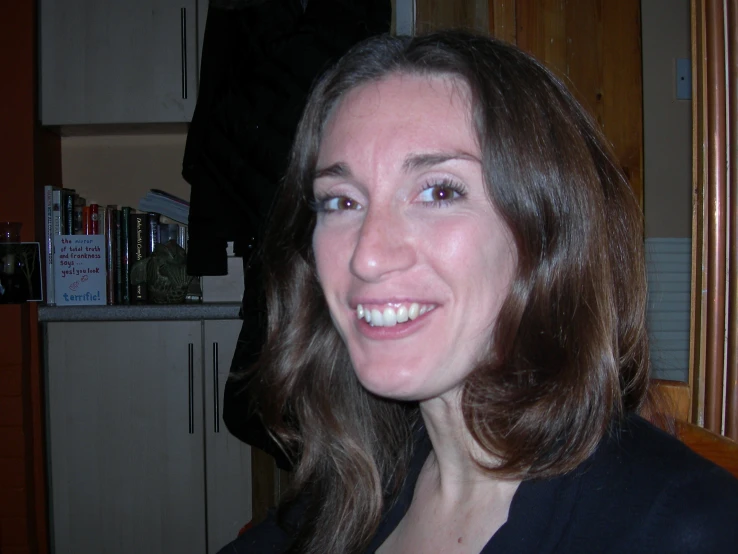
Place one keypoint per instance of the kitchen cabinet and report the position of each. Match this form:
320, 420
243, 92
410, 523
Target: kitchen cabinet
139, 460
228, 472
105, 62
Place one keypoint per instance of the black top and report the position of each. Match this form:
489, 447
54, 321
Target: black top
642, 491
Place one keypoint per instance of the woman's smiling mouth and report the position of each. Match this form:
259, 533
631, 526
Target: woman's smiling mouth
389, 316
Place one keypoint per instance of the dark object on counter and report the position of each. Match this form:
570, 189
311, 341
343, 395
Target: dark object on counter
259, 61
164, 273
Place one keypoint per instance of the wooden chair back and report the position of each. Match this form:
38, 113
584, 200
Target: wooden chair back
675, 400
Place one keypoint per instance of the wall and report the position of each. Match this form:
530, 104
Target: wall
666, 121
119, 170
668, 199
29, 158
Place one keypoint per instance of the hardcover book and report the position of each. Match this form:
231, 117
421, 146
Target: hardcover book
56, 200
68, 211
94, 227
49, 243
152, 231
117, 262
136, 252
110, 253
125, 241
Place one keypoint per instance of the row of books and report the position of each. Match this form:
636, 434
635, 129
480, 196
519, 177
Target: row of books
129, 235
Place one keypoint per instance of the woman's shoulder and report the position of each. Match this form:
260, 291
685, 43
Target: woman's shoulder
658, 493
638, 448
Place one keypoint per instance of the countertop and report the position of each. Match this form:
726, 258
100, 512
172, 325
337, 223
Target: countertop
148, 312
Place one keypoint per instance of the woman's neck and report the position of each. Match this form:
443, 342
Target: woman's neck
458, 457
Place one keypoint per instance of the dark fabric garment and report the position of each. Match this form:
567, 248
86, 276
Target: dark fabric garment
641, 492
259, 60
258, 64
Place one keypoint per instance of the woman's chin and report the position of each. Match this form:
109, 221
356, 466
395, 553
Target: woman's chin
395, 384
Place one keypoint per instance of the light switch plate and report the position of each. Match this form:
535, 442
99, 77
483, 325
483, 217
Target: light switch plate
683, 79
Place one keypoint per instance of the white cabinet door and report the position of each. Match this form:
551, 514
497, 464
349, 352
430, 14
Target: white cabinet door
132, 61
228, 460
125, 446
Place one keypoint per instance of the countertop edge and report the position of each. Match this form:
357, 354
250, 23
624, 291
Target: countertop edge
147, 312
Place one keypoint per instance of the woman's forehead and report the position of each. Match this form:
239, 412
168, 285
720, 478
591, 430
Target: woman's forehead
400, 84
432, 108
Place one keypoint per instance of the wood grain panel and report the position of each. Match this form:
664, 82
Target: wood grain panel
554, 39
595, 47
584, 54
716, 448
622, 86
502, 20
431, 15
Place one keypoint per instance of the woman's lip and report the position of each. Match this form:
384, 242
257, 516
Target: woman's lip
391, 303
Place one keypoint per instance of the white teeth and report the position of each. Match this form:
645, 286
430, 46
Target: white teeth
402, 314
390, 317
377, 320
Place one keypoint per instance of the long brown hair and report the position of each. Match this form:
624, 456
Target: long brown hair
568, 353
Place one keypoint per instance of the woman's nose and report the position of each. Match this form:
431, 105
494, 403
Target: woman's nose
384, 246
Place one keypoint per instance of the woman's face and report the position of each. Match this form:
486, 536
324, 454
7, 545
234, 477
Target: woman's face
412, 257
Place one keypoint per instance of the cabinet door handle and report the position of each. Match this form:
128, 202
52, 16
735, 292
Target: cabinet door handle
183, 47
191, 386
216, 393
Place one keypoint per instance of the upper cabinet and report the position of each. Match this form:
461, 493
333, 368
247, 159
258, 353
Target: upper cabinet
105, 62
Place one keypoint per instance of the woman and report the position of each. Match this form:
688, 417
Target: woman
456, 296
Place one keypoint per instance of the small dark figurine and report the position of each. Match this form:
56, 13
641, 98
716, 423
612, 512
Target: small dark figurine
165, 274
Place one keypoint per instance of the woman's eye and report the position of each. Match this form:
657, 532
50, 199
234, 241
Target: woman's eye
339, 204
440, 194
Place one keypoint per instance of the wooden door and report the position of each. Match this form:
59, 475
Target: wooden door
593, 45
126, 461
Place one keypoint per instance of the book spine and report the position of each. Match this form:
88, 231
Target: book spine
137, 251
110, 255
182, 237
118, 262
68, 211
49, 232
85, 220
94, 219
125, 241
152, 231
78, 215
56, 195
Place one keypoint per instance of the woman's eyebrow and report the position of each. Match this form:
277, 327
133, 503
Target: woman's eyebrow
412, 163
339, 169
424, 161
